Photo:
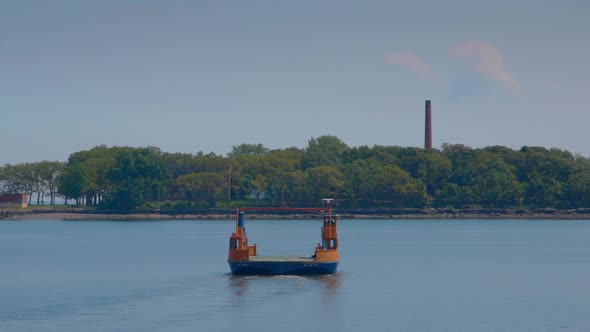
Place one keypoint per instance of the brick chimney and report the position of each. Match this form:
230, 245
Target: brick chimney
428, 127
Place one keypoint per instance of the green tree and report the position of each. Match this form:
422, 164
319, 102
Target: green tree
73, 183
458, 176
46, 175
543, 190
359, 175
495, 181
204, 186
96, 163
577, 191
260, 185
455, 196
138, 175
324, 182
326, 150
431, 167
248, 150
396, 186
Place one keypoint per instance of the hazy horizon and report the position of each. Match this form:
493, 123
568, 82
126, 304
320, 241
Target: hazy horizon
206, 75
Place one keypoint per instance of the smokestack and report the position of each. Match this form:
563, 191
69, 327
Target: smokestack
428, 127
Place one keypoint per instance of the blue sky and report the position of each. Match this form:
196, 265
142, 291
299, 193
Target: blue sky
192, 76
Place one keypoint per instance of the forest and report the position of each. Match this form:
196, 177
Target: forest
455, 176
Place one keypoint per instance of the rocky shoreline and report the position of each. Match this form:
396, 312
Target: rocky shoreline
229, 214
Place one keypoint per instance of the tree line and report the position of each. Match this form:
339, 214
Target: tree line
357, 177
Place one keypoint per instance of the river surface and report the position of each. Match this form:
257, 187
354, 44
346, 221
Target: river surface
394, 275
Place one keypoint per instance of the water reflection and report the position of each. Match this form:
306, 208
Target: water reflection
238, 285
330, 282
241, 285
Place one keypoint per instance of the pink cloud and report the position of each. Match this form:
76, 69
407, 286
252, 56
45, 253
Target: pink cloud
413, 63
487, 61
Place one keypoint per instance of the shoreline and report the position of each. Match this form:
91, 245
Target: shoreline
83, 216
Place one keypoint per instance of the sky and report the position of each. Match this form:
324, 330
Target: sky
191, 76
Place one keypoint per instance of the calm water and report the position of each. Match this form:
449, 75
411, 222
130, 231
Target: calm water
395, 275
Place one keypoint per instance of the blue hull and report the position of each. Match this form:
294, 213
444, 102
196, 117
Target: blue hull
282, 268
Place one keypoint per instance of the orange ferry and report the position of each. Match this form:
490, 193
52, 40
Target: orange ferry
244, 260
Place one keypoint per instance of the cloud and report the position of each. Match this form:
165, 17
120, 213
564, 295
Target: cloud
413, 63
485, 59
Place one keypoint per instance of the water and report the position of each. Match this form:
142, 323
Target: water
395, 275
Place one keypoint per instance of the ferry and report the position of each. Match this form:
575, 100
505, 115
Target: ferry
243, 258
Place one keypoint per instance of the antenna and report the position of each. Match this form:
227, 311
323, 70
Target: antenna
328, 201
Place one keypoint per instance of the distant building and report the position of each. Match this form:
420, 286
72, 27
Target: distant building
17, 201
